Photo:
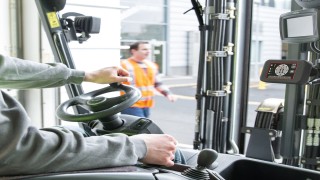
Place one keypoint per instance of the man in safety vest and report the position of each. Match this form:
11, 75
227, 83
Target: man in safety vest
145, 77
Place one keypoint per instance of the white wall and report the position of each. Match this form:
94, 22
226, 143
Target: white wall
179, 25
33, 98
101, 49
5, 28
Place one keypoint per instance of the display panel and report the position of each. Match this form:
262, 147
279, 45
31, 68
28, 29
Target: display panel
286, 71
294, 28
282, 71
300, 26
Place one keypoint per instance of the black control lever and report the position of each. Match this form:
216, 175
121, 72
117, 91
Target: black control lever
205, 160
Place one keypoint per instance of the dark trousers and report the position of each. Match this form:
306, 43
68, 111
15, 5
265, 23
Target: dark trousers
140, 112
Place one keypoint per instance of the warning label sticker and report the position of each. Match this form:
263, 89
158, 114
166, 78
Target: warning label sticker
53, 20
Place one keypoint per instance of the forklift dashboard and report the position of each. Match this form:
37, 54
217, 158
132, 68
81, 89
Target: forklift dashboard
287, 71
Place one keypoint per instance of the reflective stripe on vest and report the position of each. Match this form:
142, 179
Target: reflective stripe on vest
143, 79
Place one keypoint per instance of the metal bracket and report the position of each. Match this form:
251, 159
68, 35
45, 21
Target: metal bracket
259, 145
227, 87
220, 16
216, 93
231, 10
313, 102
229, 49
209, 10
271, 132
211, 54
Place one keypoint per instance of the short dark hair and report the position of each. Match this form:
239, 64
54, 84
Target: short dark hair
135, 45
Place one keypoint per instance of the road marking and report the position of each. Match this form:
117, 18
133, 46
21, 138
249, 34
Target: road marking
185, 146
181, 85
185, 97
254, 103
178, 96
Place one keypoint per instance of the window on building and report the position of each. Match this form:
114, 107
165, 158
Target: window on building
279, 4
143, 20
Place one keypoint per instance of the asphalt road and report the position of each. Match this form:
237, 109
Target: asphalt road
178, 119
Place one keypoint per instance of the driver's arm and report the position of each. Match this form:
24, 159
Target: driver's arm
25, 149
23, 74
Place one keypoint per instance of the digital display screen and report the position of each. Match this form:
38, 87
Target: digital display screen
300, 26
281, 71
287, 71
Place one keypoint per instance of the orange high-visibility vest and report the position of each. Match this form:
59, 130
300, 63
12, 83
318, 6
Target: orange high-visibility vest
143, 79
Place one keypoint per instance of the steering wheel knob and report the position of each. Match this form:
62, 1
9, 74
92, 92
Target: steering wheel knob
96, 101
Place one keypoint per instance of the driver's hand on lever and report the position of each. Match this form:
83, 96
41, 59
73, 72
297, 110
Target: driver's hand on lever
160, 149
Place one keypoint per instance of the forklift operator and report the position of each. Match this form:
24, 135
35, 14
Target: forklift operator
24, 149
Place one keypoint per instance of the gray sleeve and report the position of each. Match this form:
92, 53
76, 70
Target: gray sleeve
23, 74
25, 149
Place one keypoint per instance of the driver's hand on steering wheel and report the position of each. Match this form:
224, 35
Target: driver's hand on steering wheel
107, 75
160, 149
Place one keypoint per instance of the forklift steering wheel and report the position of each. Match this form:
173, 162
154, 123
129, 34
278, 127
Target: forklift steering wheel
99, 106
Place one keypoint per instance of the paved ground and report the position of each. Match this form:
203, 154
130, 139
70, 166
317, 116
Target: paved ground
177, 118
